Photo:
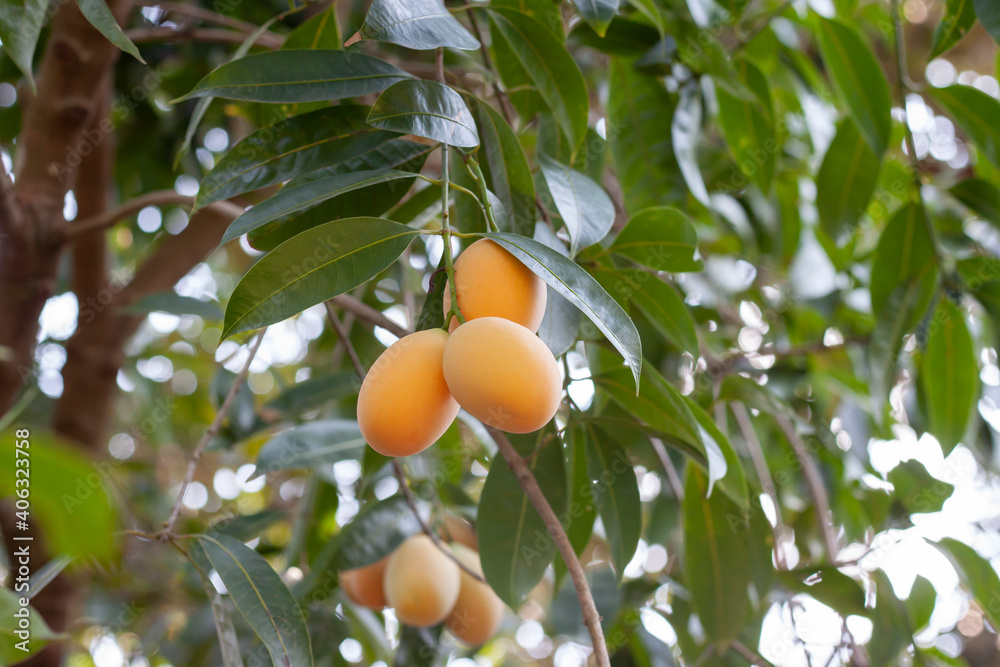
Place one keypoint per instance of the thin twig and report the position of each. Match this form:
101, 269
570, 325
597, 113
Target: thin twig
127, 209
668, 466
747, 653
529, 484
763, 474
363, 311
815, 484
217, 35
197, 12
345, 339
397, 468
220, 416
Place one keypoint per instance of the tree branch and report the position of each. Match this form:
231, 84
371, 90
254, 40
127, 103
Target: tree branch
815, 483
106, 219
534, 493
197, 12
365, 312
266, 40
749, 654
216, 424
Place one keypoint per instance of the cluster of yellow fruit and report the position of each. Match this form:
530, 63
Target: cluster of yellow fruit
493, 366
425, 587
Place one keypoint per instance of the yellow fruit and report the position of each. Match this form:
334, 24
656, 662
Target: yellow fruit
421, 582
404, 405
364, 584
502, 374
491, 282
478, 611
459, 531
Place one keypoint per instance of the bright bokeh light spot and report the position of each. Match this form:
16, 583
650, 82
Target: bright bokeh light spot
121, 446
186, 185
216, 140
184, 382
225, 483
150, 219
195, 496
58, 319
248, 485
157, 369
107, 653
530, 634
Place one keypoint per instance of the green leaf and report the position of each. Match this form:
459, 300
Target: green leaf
314, 266
175, 304
749, 133
616, 495
290, 148
579, 288
920, 604
973, 111
34, 638
317, 444
319, 32
375, 532
416, 24
100, 16
261, 598
426, 109
582, 511
858, 78
949, 375
660, 303
640, 138
989, 15
367, 200
584, 206
846, 181
297, 196
916, 490
981, 197
418, 647
830, 586
69, 498
976, 573
959, 17
520, 548
21, 23
598, 13
718, 568
903, 250
506, 168
549, 66
245, 527
296, 76
904, 307
661, 238
891, 631
229, 641
315, 391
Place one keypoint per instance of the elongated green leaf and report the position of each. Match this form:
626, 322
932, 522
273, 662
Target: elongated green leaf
290, 148
686, 133
859, 79
920, 604
314, 391
989, 15
976, 573
749, 133
846, 181
416, 24
719, 571
598, 13
261, 598
520, 547
309, 193
229, 641
904, 248
376, 532
369, 200
549, 66
830, 586
298, 76
21, 22
662, 238
981, 197
616, 495
566, 277
949, 375
310, 445
418, 647
19, 643
70, 504
658, 301
734, 484
891, 632
640, 138
506, 168
100, 16
319, 32
314, 266
959, 17
904, 307
426, 109
973, 111
582, 512
175, 304
584, 206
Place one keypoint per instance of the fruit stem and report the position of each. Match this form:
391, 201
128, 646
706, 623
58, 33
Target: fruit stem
449, 260
477, 176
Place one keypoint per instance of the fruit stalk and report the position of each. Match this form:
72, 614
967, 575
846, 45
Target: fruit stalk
477, 175
449, 260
